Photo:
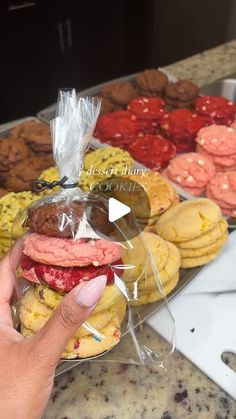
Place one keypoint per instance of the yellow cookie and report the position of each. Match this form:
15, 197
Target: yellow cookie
170, 270
34, 315
136, 258
48, 297
106, 162
198, 261
188, 220
208, 238
157, 247
52, 298
160, 192
153, 296
204, 251
10, 205
88, 346
50, 174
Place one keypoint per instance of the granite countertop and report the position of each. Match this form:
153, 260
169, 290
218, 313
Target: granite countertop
113, 391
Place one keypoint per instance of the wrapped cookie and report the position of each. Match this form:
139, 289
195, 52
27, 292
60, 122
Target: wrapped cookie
72, 239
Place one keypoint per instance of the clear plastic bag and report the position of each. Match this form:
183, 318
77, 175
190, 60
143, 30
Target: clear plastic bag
71, 240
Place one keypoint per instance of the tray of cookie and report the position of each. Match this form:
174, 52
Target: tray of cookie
191, 136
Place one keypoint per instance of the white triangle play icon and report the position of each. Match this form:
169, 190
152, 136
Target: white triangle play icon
116, 209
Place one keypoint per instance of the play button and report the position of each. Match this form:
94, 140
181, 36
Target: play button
116, 210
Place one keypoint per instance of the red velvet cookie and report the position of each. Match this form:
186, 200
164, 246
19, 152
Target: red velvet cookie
216, 110
153, 151
64, 278
147, 107
182, 126
116, 128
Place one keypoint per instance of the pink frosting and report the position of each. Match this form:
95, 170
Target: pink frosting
67, 252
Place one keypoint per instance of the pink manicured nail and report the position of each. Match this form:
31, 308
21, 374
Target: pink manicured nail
90, 292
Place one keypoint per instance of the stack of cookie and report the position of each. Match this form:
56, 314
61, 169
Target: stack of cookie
181, 94
218, 144
215, 110
222, 189
147, 113
116, 128
191, 171
197, 228
146, 289
181, 127
52, 258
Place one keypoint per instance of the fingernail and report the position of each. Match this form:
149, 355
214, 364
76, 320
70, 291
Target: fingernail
89, 294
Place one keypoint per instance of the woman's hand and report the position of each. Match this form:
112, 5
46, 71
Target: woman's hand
27, 366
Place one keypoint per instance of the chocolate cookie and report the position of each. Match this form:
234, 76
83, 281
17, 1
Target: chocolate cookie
152, 82
120, 93
20, 177
12, 151
60, 219
36, 135
108, 106
55, 218
181, 94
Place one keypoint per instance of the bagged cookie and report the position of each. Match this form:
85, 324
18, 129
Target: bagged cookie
72, 239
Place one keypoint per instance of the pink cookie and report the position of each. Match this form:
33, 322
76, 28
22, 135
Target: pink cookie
222, 189
221, 203
67, 252
191, 170
191, 191
218, 140
224, 161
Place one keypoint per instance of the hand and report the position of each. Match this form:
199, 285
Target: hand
27, 366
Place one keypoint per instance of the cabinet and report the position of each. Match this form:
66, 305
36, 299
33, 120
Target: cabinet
47, 45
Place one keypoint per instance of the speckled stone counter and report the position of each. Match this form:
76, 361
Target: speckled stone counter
208, 66
114, 391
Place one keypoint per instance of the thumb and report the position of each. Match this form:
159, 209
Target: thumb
74, 309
